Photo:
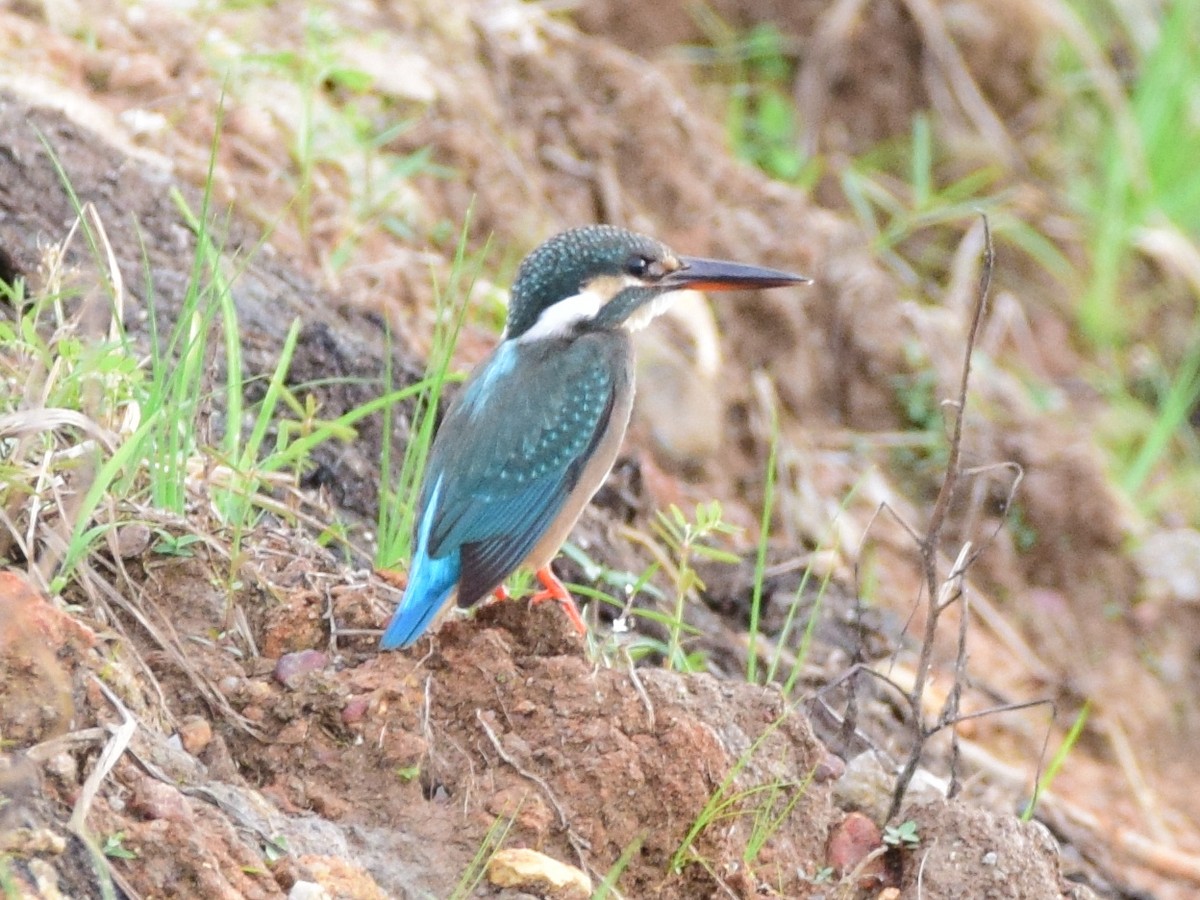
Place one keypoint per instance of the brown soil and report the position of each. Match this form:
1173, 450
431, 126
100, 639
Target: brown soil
274, 747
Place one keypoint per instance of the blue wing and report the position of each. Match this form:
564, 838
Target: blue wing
504, 462
513, 449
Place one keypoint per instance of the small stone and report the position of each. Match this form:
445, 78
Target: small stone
63, 767
292, 666
195, 733
258, 691
139, 72
156, 800
830, 768
355, 710
990, 858
1170, 566
532, 871
307, 890
866, 786
130, 541
294, 732
850, 842
531, 814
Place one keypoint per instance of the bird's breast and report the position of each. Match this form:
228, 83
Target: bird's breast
617, 353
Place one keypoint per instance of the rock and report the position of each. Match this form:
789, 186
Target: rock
156, 800
830, 768
292, 666
307, 890
195, 733
868, 784
1169, 562
355, 710
130, 541
850, 842
533, 871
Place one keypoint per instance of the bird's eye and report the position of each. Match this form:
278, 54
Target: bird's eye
643, 267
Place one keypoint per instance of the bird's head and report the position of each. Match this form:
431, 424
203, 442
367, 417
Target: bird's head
604, 277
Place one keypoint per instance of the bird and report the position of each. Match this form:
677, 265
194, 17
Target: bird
538, 424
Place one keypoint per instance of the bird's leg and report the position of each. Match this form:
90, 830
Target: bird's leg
553, 589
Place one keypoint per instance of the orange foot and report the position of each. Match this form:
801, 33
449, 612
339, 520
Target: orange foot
499, 595
553, 589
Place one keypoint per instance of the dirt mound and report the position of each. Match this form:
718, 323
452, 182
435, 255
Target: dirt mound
384, 775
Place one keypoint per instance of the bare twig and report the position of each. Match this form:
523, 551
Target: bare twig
941, 595
960, 83
950, 709
522, 771
848, 887
112, 752
577, 842
636, 680
813, 82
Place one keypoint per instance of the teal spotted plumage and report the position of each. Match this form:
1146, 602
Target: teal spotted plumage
537, 426
538, 443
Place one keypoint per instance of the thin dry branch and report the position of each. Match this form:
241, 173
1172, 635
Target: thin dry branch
121, 736
960, 83
931, 541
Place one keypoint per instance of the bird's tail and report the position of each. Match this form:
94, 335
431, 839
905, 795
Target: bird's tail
430, 582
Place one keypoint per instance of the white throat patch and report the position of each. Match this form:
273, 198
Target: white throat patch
562, 316
648, 312
559, 318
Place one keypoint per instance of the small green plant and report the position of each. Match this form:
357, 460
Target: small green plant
760, 118
917, 391
178, 545
686, 542
8, 883
760, 556
676, 544
896, 194
774, 672
769, 815
475, 870
114, 847
1133, 155
1057, 762
761, 123
408, 773
132, 423
1130, 161
894, 190
613, 875
337, 133
926, 449
769, 804
823, 875
77, 398
903, 836
275, 849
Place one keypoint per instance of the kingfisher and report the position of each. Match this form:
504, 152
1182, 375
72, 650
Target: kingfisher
537, 426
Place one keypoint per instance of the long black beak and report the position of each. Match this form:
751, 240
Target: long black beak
721, 275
